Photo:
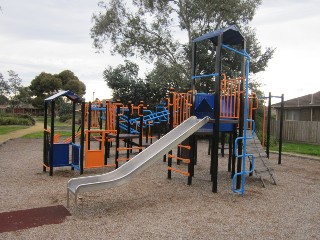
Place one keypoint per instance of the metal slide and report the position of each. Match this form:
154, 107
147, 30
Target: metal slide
138, 163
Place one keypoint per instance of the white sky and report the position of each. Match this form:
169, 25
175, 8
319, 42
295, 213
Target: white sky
53, 35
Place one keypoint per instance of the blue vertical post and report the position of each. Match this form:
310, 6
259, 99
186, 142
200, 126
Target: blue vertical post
241, 119
245, 127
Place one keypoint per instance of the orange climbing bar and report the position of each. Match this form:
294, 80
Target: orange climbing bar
186, 160
179, 171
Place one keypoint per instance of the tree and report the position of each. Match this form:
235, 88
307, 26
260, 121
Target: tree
24, 96
15, 85
47, 84
71, 82
126, 84
4, 86
12, 92
147, 29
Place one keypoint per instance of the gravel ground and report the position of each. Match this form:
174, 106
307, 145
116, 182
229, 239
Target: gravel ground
154, 207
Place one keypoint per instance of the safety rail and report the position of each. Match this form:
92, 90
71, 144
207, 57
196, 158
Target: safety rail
75, 157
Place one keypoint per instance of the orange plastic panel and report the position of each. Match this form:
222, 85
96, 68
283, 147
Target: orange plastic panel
94, 158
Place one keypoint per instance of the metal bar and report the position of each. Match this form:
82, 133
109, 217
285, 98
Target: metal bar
193, 84
281, 128
268, 126
205, 75
215, 129
83, 107
171, 127
45, 136
89, 123
242, 53
51, 155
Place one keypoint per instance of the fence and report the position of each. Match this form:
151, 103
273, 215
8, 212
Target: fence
297, 131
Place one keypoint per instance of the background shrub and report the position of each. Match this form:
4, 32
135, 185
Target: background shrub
16, 119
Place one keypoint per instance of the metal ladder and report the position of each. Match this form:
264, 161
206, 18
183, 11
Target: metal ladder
263, 167
244, 156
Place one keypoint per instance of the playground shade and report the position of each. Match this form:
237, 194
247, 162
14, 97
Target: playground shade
231, 36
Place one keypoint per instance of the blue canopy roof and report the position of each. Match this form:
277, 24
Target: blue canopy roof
231, 36
68, 93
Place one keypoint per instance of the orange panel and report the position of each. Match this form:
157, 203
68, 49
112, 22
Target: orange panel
94, 158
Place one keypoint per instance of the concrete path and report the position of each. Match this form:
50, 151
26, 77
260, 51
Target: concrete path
19, 133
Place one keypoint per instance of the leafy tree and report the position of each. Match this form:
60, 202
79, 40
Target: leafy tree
14, 82
4, 86
126, 84
47, 84
71, 82
24, 96
9, 89
3, 100
147, 29
12, 91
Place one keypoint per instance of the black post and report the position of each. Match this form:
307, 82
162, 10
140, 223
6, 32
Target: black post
141, 126
107, 148
268, 125
230, 151
89, 124
83, 109
45, 138
73, 122
223, 142
193, 81
148, 130
281, 128
128, 142
215, 129
192, 143
100, 127
51, 156
117, 136
170, 128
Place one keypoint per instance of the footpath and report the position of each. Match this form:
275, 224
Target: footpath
19, 133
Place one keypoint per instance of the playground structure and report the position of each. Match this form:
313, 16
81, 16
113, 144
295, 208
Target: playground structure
229, 110
56, 154
101, 125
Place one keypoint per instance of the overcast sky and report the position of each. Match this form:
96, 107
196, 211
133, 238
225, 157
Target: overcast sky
53, 35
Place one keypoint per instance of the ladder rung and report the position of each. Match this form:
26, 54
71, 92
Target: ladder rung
132, 148
185, 146
123, 159
186, 160
179, 171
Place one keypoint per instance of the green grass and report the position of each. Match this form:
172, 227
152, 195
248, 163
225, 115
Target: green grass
300, 148
11, 128
57, 123
35, 135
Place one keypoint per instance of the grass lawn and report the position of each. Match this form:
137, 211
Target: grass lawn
57, 123
300, 148
34, 135
4, 129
